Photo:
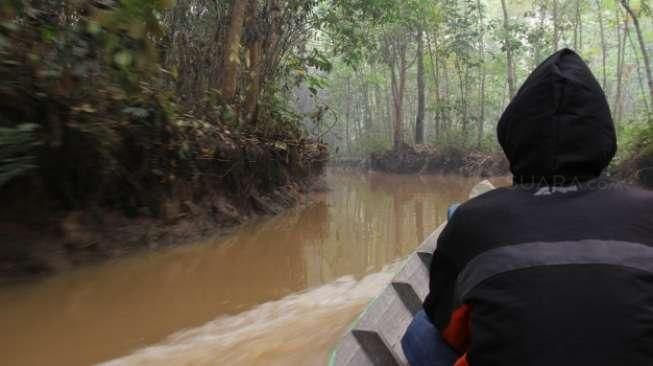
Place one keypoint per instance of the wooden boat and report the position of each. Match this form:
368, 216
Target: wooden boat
375, 337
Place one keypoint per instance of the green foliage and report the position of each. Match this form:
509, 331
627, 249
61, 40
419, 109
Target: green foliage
466, 65
350, 25
88, 79
635, 138
114, 86
282, 121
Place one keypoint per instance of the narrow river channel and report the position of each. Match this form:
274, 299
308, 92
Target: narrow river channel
279, 291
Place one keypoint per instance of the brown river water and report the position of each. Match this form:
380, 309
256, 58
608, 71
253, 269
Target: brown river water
278, 291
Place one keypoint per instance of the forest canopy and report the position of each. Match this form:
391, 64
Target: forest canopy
162, 87
442, 72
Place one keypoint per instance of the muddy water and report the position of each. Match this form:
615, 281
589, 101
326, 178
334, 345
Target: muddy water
279, 291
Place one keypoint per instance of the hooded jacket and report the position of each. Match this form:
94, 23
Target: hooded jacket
557, 269
558, 126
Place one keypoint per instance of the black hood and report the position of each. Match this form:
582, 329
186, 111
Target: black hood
558, 126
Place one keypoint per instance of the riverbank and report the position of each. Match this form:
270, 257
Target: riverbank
425, 159
111, 142
45, 244
228, 179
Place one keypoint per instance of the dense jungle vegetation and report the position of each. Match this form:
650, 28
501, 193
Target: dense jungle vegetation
119, 103
149, 107
109, 101
441, 72
140, 122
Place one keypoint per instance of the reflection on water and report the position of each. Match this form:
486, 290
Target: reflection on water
221, 287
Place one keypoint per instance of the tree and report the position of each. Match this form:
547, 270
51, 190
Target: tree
578, 28
642, 45
231, 53
604, 46
254, 47
419, 122
639, 73
466, 78
435, 72
556, 25
510, 69
481, 89
621, 51
396, 57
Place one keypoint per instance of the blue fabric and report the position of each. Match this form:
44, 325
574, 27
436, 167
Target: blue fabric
451, 210
423, 345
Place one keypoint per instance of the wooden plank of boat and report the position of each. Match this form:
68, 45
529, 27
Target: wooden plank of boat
375, 337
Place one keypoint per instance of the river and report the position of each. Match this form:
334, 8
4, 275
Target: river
278, 291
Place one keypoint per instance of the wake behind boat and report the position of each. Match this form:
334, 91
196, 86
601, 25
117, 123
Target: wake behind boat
375, 336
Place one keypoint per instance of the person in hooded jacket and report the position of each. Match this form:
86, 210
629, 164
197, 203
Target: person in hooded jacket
558, 268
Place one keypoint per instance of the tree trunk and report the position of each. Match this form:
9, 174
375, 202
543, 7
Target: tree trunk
273, 36
358, 118
367, 109
604, 46
378, 103
398, 135
435, 71
642, 45
481, 90
411, 114
508, 45
576, 24
639, 74
580, 27
231, 52
348, 117
556, 26
254, 46
621, 50
421, 100
389, 105
396, 58
537, 52
446, 116
398, 89
462, 85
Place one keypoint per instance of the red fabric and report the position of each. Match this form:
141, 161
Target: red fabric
458, 332
462, 361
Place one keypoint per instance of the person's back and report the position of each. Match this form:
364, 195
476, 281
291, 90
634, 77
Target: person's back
558, 269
